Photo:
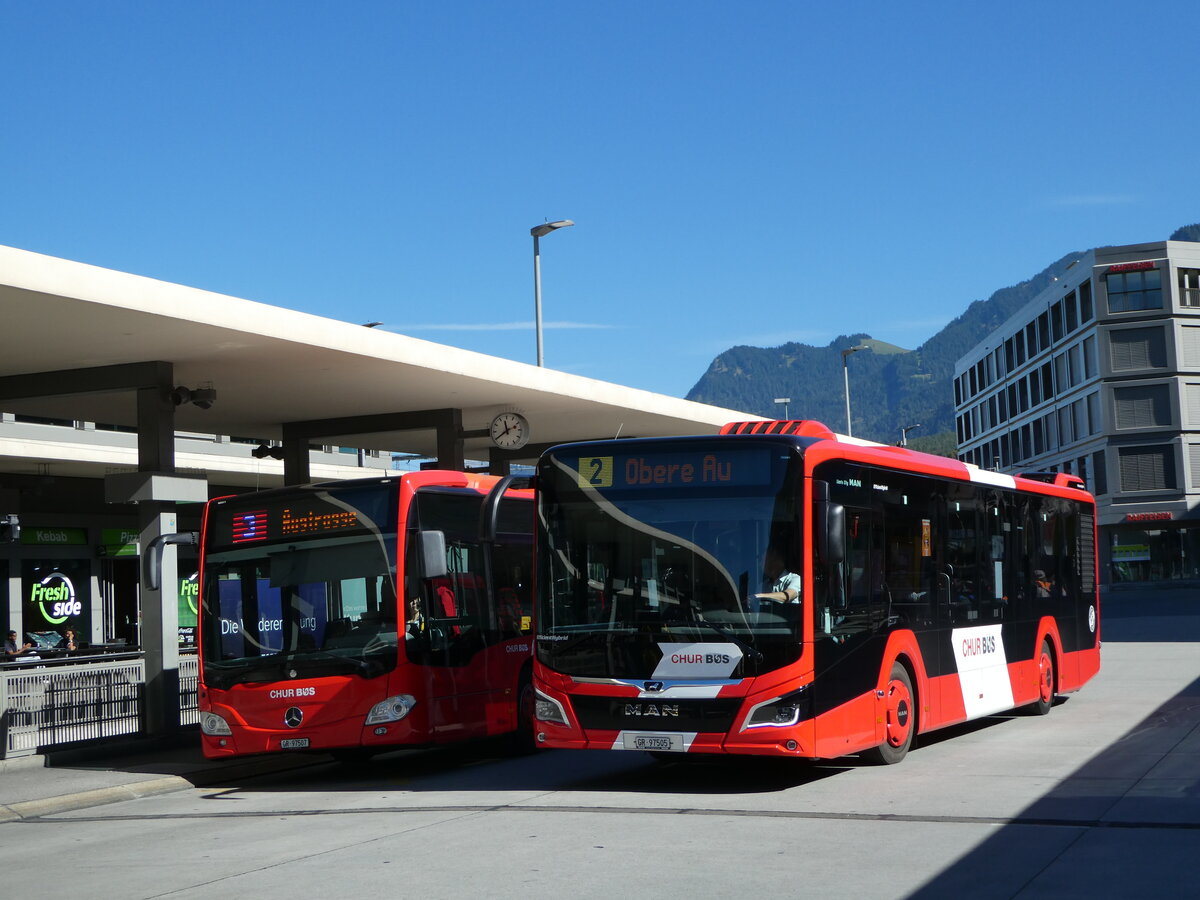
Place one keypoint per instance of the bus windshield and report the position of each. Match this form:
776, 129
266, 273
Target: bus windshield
669, 543
300, 583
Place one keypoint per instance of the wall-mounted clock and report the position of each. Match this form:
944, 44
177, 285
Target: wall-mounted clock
509, 431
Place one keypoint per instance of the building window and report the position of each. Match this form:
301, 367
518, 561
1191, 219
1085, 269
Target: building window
1194, 463
1100, 473
1137, 348
1069, 306
1146, 468
1085, 302
1189, 287
1093, 408
1131, 291
1191, 395
1066, 433
1056, 321
1142, 406
1031, 339
1089, 357
1079, 413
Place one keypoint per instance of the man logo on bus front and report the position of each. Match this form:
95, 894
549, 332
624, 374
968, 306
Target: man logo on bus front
654, 687
293, 717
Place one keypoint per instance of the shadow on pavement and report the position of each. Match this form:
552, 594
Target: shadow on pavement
1127, 822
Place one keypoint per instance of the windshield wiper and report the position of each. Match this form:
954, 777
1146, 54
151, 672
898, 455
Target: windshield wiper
316, 654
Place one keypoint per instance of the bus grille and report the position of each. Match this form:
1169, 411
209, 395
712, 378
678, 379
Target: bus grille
631, 713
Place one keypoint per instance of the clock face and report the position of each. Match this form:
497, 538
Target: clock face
509, 431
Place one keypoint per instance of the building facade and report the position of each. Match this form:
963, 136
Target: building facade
1099, 376
73, 561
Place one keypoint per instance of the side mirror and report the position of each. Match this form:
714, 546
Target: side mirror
432, 547
152, 563
829, 525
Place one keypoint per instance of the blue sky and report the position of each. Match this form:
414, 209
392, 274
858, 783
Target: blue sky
739, 173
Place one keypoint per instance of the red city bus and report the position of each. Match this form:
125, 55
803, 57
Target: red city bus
357, 616
780, 590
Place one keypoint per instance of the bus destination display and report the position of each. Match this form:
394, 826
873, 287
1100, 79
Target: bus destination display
727, 468
251, 526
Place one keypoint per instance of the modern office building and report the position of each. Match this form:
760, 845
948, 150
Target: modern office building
1099, 376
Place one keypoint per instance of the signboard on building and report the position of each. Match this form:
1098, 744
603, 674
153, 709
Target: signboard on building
119, 542
56, 537
1130, 553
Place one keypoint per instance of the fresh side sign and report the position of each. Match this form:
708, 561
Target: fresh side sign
54, 597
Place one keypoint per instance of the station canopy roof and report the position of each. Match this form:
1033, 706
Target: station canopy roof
271, 366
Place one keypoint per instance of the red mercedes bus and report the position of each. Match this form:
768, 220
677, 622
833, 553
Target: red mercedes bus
357, 616
780, 590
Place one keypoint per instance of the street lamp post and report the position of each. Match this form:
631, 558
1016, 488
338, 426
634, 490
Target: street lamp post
785, 401
904, 430
539, 231
846, 383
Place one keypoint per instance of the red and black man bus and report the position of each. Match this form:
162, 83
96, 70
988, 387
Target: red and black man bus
930, 592
361, 615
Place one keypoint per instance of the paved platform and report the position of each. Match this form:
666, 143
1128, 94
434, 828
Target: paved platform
1138, 733
32, 786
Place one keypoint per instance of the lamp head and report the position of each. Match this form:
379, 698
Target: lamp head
546, 228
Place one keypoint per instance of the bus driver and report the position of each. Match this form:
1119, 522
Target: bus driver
784, 585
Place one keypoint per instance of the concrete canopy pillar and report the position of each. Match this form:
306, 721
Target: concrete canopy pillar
159, 604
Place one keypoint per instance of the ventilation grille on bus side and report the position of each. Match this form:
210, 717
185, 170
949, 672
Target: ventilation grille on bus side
803, 427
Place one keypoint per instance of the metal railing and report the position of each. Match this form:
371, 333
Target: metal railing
73, 701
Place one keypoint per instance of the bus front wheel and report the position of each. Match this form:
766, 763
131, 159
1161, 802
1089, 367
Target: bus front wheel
900, 719
1045, 675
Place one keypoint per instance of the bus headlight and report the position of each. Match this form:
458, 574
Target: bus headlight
211, 723
393, 709
547, 709
779, 712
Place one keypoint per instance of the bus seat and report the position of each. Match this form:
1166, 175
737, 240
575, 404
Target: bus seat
446, 605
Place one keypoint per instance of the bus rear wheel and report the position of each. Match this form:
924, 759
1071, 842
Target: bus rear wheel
1045, 698
900, 719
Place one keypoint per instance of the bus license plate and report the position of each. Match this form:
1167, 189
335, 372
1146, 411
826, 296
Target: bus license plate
293, 743
669, 742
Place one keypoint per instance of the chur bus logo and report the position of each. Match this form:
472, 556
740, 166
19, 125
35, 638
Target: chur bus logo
652, 709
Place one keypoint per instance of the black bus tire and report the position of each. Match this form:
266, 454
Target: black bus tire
900, 719
522, 740
1045, 684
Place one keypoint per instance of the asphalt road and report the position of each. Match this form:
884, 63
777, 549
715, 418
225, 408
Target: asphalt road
1100, 798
